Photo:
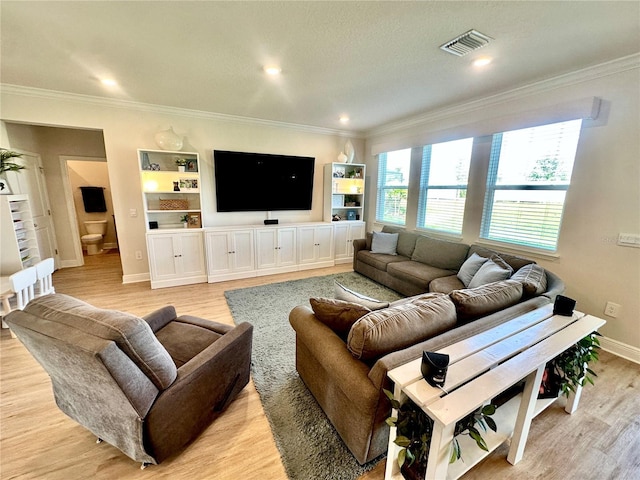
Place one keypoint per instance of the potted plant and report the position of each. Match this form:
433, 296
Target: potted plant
570, 369
181, 163
185, 220
7, 165
414, 430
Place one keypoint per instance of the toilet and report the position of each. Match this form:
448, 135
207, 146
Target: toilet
96, 230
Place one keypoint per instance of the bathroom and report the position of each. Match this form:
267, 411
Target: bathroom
96, 227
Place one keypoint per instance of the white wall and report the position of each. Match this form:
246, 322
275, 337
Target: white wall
604, 197
127, 126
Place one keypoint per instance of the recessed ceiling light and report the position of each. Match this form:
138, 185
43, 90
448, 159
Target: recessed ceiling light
272, 70
482, 61
109, 82
344, 119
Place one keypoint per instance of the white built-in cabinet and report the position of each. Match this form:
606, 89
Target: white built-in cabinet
316, 246
18, 242
344, 191
176, 258
275, 249
344, 233
230, 254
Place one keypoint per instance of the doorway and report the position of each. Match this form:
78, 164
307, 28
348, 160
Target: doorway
78, 172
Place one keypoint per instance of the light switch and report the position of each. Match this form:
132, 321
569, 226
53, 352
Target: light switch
133, 212
629, 240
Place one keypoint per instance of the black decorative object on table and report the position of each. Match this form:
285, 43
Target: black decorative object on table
434, 368
564, 306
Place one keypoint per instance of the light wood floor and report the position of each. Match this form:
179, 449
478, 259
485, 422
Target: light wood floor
37, 441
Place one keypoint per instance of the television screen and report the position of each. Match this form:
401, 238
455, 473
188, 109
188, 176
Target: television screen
249, 182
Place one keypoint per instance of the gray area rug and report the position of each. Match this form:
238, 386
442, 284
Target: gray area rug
310, 447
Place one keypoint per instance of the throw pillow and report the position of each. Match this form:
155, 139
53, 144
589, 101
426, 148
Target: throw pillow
470, 267
343, 293
394, 328
493, 270
533, 279
384, 243
338, 315
472, 303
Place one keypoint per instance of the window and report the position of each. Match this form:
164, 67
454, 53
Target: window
393, 185
528, 178
443, 185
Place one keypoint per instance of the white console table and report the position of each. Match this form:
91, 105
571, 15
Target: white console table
480, 368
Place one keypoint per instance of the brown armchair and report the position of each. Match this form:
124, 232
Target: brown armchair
147, 386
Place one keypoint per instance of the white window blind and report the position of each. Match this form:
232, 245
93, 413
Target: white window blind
393, 185
443, 185
529, 175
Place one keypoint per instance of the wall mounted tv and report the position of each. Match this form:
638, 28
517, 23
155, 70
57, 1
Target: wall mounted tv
251, 182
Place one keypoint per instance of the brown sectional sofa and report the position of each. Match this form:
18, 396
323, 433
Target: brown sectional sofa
347, 377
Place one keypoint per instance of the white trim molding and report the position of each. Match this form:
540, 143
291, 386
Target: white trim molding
620, 349
136, 278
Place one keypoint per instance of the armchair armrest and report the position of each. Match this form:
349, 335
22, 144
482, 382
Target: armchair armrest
159, 318
204, 387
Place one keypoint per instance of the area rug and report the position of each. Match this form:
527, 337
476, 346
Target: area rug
310, 447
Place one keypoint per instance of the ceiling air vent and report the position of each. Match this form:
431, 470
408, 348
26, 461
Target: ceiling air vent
465, 43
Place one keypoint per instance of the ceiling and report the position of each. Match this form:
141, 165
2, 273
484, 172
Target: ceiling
376, 62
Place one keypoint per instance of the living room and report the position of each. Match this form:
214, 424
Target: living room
603, 200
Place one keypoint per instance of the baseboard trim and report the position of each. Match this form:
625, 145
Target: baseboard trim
620, 349
69, 263
136, 278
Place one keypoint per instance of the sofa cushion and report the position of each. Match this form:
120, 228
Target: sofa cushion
338, 315
390, 329
470, 267
384, 243
445, 284
132, 334
533, 278
416, 273
406, 240
472, 303
343, 293
493, 270
379, 261
513, 260
440, 253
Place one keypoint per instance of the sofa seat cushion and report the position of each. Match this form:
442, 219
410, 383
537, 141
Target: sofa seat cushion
379, 261
390, 329
132, 334
472, 303
445, 284
440, 253
338, 315
417, 273
184, 340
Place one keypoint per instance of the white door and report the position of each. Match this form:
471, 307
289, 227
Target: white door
306, 241
162, 257
286, 246
191, 254
31, 182
324, 243
243, 251
340, 236
267, 244
218, 252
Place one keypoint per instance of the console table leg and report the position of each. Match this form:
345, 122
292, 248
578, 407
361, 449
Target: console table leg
525, 415
438, 460
574, 397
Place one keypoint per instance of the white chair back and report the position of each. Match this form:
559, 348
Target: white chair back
22, 284
44, 272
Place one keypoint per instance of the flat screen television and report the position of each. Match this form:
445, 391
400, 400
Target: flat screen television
251, 182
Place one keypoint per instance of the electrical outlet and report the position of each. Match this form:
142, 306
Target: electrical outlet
138, 255
612, 309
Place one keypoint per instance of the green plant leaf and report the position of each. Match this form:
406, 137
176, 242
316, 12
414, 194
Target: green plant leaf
492, 424
489, 409
402, 441
401, 457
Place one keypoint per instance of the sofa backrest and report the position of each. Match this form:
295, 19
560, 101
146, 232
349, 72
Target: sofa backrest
130, 333
514, 261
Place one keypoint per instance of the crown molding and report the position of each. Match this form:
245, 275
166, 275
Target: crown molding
613, 67
33, 92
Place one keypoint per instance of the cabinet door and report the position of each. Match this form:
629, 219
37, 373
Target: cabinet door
162, 257
191, 254
341, 232
243, 258
219, 252
266, 251
324, 242
286, 246
356, 231
307, 247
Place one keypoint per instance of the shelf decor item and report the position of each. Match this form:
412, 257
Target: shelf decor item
168, 140
174, 204
349, 151
8, 166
